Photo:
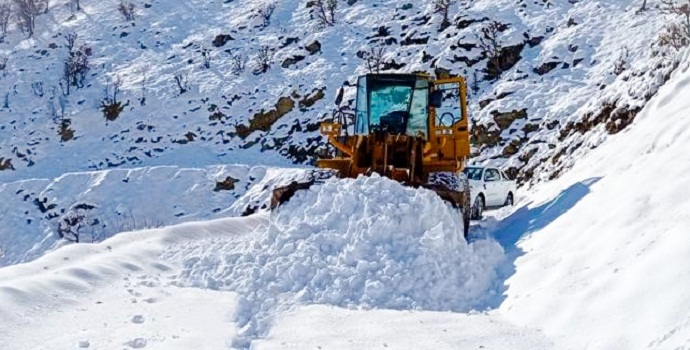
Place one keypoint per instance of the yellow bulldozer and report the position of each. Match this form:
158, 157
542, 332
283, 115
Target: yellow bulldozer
408, 127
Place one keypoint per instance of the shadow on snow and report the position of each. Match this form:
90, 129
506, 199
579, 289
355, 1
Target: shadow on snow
524, 222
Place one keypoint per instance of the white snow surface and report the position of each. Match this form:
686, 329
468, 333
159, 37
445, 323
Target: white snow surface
601, 253
116, 200
378, 254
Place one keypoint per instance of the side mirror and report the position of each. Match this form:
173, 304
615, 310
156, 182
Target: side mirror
436, 99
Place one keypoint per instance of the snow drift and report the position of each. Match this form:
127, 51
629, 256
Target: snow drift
369, 242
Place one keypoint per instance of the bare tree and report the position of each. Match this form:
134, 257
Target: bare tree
264, 60
325, 12
5, 13
266, 12
676, 34
26, 11
3, 66
182, 83
237, 63
71, 39
620, 65
37, 88
206, 56
111, 106
488, 41
442, 7
127, 8
76, 65
144, 90
374, 58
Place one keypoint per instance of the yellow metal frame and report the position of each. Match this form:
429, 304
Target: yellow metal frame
447, 149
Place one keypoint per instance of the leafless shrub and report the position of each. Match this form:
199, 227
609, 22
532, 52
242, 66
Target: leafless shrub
237, 64
266, 12
621, 63
111, 106
489, 43
76, 66
676, 35
206, 57
37, 87
5, 13
374, 58
3, 66
264, 60
182, 83
75, 5
71, 39
144, 90
26, 11
127, 9
488, 39
325, 12
442, 7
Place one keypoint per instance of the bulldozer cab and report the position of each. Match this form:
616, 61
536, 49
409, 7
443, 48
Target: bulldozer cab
395, 104
407, 122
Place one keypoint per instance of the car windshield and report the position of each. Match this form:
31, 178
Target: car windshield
473, 173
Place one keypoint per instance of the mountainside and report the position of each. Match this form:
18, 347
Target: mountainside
195, 83
592, 260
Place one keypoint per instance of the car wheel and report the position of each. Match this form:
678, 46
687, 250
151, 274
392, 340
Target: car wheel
509, 201
478, 208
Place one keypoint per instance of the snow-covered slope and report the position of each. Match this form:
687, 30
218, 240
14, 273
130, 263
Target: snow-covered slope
554, 88
41, 215
604, 248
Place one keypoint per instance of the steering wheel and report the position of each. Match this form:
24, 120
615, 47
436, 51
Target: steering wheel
444, 117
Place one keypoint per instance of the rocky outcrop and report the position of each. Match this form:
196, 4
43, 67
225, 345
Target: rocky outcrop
6, 164
264, 120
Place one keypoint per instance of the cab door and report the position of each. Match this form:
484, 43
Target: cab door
450, 119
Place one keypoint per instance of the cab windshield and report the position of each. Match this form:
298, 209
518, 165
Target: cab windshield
396, 104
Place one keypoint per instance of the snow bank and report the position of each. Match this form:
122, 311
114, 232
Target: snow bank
368, 242
104, 203
606, 247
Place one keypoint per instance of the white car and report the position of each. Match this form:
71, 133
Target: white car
490, 188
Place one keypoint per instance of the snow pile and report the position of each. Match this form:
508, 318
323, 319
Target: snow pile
368, 242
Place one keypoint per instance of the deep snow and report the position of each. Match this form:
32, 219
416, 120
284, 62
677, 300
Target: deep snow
350, 243
593, 260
